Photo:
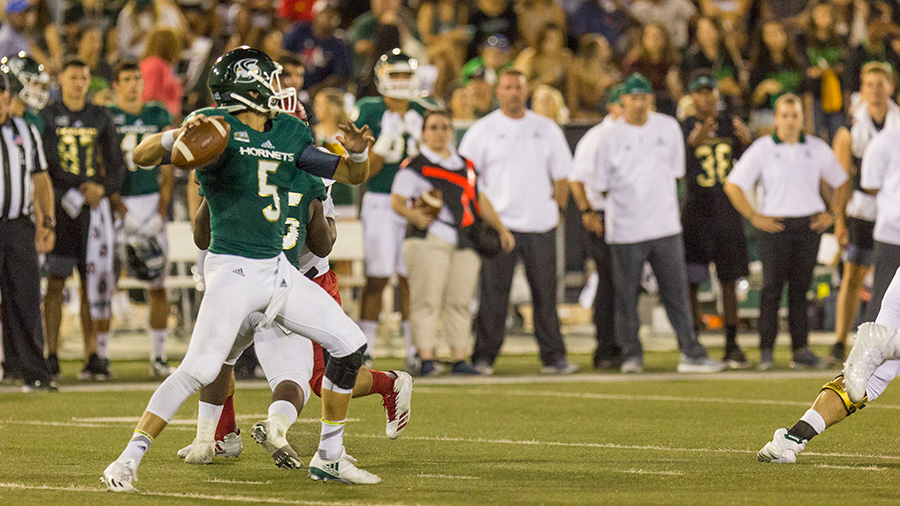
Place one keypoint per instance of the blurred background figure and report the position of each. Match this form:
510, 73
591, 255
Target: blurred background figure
158, 70
138, 18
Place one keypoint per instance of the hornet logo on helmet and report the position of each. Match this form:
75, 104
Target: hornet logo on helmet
244, 68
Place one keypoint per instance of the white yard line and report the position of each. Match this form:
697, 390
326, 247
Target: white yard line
183, 421
644, 471
854, 468
448, 477
238, 482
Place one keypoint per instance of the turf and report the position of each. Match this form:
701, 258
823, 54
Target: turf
600, 439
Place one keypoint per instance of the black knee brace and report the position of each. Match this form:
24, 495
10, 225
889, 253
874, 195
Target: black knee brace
342, 371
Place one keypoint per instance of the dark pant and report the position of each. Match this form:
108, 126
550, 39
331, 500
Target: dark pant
604, 302
788, 257
666, 257
20, 289
538, 251
887, 261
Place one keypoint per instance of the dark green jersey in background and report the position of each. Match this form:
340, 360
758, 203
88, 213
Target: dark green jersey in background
153, 118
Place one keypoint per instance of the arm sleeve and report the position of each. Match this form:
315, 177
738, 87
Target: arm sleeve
40, 159
747, 169
561, 156
874, 161
113, 159
318, 161
603, 165
585, 154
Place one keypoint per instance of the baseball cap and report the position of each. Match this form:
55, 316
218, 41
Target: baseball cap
497, 42
615, 94
17, 6
636, 84
702, 81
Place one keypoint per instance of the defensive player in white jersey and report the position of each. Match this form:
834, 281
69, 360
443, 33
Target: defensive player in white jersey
245, 271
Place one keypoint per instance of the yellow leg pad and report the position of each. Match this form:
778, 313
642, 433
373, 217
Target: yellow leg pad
837, 386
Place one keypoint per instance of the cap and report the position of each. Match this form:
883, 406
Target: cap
702, 81
636, 84
497, 42
615, 94
17, 6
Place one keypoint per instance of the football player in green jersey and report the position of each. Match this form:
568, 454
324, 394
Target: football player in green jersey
145, 196
29, 85
245, 270
395, 119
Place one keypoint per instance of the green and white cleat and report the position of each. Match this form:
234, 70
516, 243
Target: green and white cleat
782, 449
343, 470
874, 345
201, 452
274, 442
231, 446
119, 475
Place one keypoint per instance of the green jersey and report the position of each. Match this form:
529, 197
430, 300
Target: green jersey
247, 187
370, 111
305, 189
132, 129
35, 119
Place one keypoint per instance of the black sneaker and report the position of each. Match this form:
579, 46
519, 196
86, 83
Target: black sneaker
838, 354
735, 358
40, 386
96, 369
805, 359
463, 368
53, 366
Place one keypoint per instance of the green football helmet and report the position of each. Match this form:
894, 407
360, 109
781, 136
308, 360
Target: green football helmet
396, 75
241, 71
27, 79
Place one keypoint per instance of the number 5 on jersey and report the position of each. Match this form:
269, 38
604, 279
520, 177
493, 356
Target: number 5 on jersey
273, 211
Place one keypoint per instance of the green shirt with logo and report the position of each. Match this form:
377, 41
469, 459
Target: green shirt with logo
132, 129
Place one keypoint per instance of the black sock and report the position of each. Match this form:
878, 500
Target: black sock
802, 430
730, 335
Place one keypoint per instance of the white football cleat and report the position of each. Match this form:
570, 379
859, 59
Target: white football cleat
201, 452
342, 469
231, 446
119, 475
397, 405
782, 449
273, 440
872, 348
160, 368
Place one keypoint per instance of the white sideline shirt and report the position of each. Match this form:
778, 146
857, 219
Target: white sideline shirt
881, 171
585, 163
517, 161
639, 166
787, 176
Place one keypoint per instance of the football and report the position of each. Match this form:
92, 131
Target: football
201, 145
431, 201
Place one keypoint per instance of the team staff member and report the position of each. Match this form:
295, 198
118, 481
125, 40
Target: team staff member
524, 160
77, 136
25, 190
713, 230
638, 163
855, 217
607, 355
788, 168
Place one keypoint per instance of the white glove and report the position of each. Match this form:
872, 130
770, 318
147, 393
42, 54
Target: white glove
72, 202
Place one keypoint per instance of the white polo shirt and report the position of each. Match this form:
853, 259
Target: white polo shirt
639, 166
787, 176
585, 163
881, 171
517, 161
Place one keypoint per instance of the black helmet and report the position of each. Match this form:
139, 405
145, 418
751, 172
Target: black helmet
240, 71
145, 259
27, 79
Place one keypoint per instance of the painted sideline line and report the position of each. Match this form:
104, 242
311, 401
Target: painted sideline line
447, 477
853, 468
237, 482
207, 497
643, 471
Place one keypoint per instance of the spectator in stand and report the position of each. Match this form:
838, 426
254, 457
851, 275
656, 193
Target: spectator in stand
549, 63
535, 15
481, 94
442, 264
140, 17
523, 162
328, 107
798, 173
674, 15
825, 55
549, 103
602, 17
876, 47
47, 45
199, 52
730, 13
14, 34
775, 69
595, 73
157, 67
273, 45
365, 27
709, 52
792, 14
492, 17
495, 56
442, 24
90, 50
462, 110
657, 59
253, 20
293, 75
326, 58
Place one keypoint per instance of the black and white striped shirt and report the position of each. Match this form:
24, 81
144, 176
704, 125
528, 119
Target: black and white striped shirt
21, 155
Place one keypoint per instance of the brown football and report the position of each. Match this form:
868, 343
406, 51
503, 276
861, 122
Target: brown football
431, 201
202, 144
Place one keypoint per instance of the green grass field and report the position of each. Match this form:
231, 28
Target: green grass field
659, 438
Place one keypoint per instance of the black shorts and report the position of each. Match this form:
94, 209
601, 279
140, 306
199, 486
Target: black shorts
71, 242
714, 232
861, 242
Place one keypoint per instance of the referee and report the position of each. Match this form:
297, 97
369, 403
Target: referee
25, 190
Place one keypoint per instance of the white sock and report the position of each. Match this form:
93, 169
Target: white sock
331, 442
103, 344
407, 339
207, 419
814, 419
370, 329
158, 343
138, 445
284, 412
